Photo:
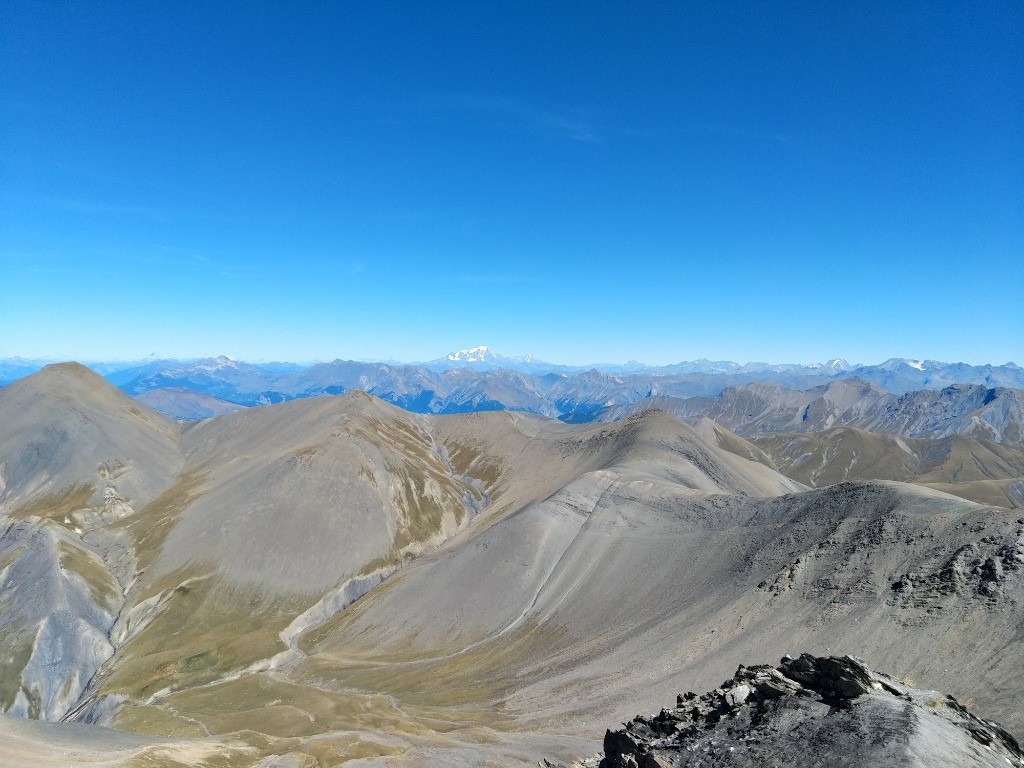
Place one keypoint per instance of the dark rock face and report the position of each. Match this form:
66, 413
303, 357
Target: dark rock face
811, 711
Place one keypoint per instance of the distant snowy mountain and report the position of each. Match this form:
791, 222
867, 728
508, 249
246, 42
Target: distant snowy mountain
485, 359
220, 377
701, 366
474, 355
900, 375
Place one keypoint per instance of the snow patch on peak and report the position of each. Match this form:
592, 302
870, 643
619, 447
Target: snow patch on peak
919, 364
216, 363
472, 355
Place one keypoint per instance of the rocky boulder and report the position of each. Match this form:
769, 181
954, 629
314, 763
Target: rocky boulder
810, 711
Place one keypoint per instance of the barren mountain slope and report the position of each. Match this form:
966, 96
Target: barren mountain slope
551, 580
279, 509
515, 457
521, 458
261, 515
978, 470
186, 405
75, 455
67, 432
555, 617
271, 519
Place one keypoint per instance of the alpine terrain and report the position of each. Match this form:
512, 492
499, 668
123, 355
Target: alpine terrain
334, 580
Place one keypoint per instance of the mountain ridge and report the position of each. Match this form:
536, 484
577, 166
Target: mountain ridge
288, 582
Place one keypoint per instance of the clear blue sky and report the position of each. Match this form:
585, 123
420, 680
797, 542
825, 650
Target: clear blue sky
584, 181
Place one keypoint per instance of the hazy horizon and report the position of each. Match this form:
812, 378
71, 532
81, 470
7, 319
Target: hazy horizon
48, 359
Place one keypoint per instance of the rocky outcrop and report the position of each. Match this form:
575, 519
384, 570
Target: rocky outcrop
58, 601
978, 570
810, 711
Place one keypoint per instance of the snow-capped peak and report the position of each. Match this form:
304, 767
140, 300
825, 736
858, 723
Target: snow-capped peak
919, 364
838, 364
473, 355
211, 364
486, 359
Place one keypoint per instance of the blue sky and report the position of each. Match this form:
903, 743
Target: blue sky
581, 181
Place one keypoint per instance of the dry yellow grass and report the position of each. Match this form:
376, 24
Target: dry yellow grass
56, 506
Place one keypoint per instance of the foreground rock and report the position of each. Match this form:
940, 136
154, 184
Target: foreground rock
810, 712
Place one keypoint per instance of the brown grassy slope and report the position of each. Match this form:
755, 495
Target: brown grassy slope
974, 469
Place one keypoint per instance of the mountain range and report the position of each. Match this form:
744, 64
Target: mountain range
894, 375
995, 414
478, 379
989, 418
335, 579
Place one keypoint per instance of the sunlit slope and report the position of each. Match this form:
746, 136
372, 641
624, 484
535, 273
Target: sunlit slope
69, 441
650, 456
218, 538
278, 507
297, 495
529, 581
979, 470
561, 612
75, 455
521, 458
515, 464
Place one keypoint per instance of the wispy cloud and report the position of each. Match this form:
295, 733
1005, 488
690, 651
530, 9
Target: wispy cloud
185, 259
100, 207
738, 132
521, 116
77, 205
31, 263
167, 258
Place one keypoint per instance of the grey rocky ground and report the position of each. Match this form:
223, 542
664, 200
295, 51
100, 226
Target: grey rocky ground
809, 711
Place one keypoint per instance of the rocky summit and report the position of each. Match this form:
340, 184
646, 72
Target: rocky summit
809, 711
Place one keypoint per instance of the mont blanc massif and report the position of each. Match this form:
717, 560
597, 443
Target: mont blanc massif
482, 560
